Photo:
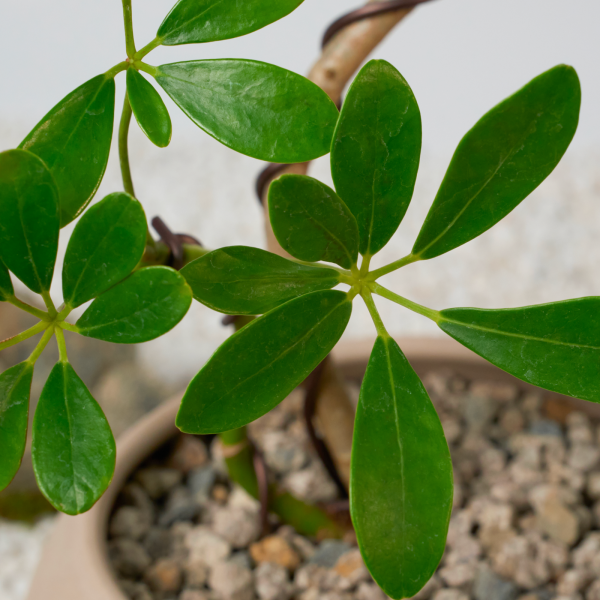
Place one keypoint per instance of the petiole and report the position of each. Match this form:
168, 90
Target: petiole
148, 48
434, 315
41, 345
366, 296
49, 305
36, 312
398, 264
24, 335
62, 346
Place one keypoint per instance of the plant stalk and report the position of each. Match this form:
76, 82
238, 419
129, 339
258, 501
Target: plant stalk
398, 264
124, 147
434, 315
41, 345
148, 48
36, 312
368, 298
128, 20
62, 346
24, 335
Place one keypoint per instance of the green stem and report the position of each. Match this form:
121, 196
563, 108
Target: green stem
62, 346
192, 252
142, 66
411, 258
41, 345
128, 19
36, 312
306, 519
364, 267
68, 326
24, 335
64, 313
148, 48
122, 66
434, 315
49, 305
366, 296
124, 147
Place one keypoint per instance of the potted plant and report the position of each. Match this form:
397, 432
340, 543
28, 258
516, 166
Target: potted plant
401, 474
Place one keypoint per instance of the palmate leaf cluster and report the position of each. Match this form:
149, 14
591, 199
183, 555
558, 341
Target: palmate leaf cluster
401, 473
256, 108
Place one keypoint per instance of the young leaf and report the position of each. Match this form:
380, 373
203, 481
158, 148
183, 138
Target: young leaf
255, 108
311, 221
194, 21
375, 152
73, 139
401, 475
29, 218
143, 307
555, 346
149, 109
247, 281
15, 384
73, 448
499, 162
257, 367
106, 245
6, 287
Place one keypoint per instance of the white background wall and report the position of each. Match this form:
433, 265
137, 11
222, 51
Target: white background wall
460, 57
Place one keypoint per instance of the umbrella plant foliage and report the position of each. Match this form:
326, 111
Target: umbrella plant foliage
111, 261
401, 484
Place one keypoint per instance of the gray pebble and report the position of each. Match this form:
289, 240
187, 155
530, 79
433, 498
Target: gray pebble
130, 522
546, 427
180, 506
328, 553
489, 586
158, 542
200, 482
129, 558
158, 481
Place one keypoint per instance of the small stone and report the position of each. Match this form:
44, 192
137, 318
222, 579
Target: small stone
128, 557
504, 393
311, 484
242, 558
593, 485
429, 589
282, 453
200, 482
586, 556
351, 567
164, 576
195, 572
190, 453
369, 591
512, 420
479, 411
275, 549
136, 590
206, 546
130, 522
180, 506
198, 595
448, 594
458, 575
220, 493
546, 427
158, 481
452, 429
583, 457
240, 498
135, 495
554, 518
158, 542
329, 552
489, 586
311, 576
572, 581
232, 581
593, 592
272, 582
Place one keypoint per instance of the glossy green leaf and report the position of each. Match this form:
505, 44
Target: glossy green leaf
145, 306
375, 152
401, 475
255, 108
555, 346
248, 281
73, 139
149, 109
29, 218
499, 162
6, 287
15, 384
257, 367
106, 245
193, 21
73, 448
311, 221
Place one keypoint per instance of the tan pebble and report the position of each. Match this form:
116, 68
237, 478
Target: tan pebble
189, 453
352, 567
164, 576
277, 550
220, 493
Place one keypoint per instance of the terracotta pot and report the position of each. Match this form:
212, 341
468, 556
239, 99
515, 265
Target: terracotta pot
75, 565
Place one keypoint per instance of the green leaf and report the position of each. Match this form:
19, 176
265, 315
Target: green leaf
29, 218
499, 162
6, 287
149, 109
401, 475
254, 108
247, 281
257, 367
73, 139
375, 152
194, 21
555, 346
73, 448
311, 221
15, 384
145, 306
106, 245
